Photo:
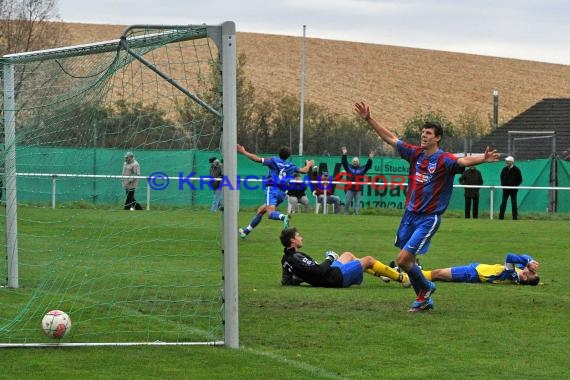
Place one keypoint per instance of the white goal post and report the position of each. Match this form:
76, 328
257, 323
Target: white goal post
224, 37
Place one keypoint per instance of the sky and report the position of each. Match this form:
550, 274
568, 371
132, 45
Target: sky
536, 30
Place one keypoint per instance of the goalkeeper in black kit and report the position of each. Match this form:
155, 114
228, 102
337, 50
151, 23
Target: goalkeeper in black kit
334, 272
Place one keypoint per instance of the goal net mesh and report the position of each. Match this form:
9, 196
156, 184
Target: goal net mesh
121, 275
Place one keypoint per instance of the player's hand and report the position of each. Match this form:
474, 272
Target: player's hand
362, 110
343, 150
240, 148
371, 154
491, 155
533, 266
331, 256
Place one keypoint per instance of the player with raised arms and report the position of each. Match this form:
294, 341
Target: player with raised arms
430, 183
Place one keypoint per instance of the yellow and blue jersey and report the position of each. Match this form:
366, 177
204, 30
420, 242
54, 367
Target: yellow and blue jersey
497, 274
506, 273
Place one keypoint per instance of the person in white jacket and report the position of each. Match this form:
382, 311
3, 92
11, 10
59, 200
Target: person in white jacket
132, 170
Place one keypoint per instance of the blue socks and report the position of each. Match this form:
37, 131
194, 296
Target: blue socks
275, 215
417, 278
255, 221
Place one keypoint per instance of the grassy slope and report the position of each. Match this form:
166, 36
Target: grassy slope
397, 81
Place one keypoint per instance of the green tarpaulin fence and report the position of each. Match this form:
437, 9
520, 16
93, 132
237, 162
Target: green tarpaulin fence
180, 165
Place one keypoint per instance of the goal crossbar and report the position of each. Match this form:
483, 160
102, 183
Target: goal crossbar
189, 32
223, 36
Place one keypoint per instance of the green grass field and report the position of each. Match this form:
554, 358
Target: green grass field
475, 331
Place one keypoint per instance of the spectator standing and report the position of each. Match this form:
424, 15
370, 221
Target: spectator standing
131, 170
354, 173
471, 176
216, 172
510, 176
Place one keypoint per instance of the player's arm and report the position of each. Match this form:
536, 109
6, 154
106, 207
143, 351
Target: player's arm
308, 165
488, 156
522, 261
309, 266
385, 134
287, 276
241, 149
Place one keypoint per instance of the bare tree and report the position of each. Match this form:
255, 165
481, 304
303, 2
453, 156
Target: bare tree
27, 25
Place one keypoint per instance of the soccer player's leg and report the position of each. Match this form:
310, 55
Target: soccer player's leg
420, 230
243, 232
423, 287
466, 273
406, 256
275, 197
258, 217
443, 274
351, 272
379, 269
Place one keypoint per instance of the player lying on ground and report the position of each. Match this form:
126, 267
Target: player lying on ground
334, 271
517, 270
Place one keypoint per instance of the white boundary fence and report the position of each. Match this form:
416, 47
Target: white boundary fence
149, 189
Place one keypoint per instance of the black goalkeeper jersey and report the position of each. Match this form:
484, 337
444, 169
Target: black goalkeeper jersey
299, 267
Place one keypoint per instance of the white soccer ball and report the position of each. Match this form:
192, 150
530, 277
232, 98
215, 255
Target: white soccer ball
56, 324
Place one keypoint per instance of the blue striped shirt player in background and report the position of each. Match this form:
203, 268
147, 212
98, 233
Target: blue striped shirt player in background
517, 270
430, 184
280, 172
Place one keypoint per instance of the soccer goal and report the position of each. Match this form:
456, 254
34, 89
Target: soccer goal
531, 143
165, 274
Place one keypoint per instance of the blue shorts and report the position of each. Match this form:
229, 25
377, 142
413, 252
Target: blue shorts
416, 231
351, 272
274, 196
467, 273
